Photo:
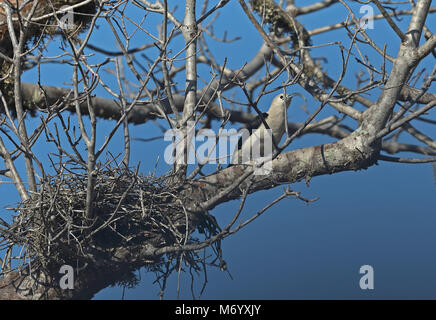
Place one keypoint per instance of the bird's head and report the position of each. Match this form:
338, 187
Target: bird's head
282, 100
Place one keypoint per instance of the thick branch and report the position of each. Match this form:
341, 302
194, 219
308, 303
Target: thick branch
350, 153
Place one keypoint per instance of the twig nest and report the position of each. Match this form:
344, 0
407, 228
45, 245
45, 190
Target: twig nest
130, 210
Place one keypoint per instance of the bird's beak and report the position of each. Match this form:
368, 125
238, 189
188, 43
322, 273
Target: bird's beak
290, 96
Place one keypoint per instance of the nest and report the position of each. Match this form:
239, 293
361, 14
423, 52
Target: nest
273, 15
36, 33
82, 16
129, 211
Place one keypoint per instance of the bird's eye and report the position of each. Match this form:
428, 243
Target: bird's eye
281, 97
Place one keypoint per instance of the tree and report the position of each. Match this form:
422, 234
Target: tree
84, 206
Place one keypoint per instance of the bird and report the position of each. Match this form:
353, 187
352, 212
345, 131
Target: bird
256, 139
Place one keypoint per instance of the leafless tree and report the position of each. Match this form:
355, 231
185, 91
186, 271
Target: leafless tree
91, 209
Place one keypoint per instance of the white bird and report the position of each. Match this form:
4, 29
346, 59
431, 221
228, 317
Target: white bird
259, 142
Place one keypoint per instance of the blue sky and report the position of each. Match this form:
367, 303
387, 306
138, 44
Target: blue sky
383, 216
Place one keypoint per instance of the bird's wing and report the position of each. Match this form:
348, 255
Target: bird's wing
256, 122
250, 127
